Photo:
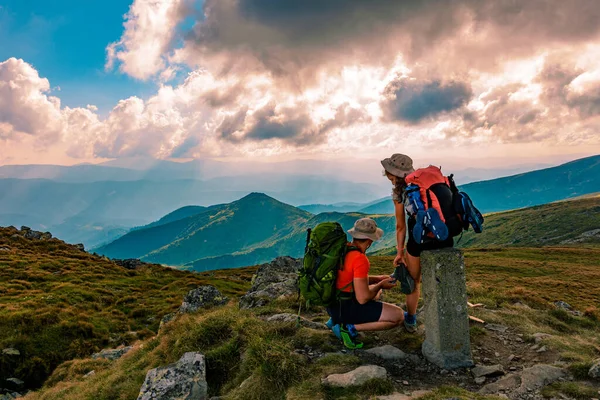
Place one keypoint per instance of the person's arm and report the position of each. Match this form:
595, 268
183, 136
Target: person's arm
400, 231
365, 293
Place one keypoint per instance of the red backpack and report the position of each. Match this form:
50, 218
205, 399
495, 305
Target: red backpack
437, 192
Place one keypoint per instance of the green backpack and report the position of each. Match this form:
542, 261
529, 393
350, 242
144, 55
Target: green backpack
326, 247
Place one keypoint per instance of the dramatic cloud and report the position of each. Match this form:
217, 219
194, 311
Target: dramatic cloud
412, 101
25, 106
150, 27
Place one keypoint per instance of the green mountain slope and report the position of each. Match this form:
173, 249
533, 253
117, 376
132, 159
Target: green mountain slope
293, 244
216, 231
566, 223
565, 181
561, 223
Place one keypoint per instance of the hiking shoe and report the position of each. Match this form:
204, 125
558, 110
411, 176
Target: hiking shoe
435, 225
410, 322
329, 323
349, 337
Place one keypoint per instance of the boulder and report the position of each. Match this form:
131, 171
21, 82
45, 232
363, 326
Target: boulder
289, 317
202, 297
166, 319
388, 352
417, 394
185, 379
80, 246
595, 370
356, 377
273, 280
487, 370
112, 354
563, 305
10, 396
518, 384
29, 234
9, 351
538, 337
13, 384
130, 263
4, 249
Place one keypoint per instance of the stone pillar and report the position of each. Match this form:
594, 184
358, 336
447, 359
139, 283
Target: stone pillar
447, 342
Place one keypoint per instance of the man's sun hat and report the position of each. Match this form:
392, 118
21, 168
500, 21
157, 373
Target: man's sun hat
366, 228
398, 165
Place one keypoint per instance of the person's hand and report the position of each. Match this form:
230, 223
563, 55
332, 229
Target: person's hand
388, 283
400, 258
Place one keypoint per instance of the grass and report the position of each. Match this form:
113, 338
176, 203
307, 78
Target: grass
58, 303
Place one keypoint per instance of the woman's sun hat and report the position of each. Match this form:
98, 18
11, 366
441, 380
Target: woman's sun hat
398, 165
366, 228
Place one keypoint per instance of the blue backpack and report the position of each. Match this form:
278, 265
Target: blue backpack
466, 210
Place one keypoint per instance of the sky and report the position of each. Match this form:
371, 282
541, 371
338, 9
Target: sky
480, 83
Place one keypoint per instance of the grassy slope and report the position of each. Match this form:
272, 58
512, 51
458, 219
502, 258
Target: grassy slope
293, 243
499, 278
57, 303
565, 223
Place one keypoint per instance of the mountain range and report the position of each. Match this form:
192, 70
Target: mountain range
96, 204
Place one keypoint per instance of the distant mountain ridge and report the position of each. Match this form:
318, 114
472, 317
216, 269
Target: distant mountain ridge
570, 180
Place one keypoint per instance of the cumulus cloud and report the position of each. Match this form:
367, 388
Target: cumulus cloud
150, 28
25, 105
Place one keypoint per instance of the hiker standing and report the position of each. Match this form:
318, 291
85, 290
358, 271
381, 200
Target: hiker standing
358, 307
399, 169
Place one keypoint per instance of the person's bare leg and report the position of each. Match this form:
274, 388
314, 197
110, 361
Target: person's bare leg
414, 268
391, 316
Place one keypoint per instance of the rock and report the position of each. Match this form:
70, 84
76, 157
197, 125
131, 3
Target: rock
487, 370
542, 349
496, 328
289, 317
538, 337
447, 341
11, 352
511, 357
4, 249
166, 319
481, 380
80, 246
273, 280
25, 228
417, 394
519, 383
185, 379
14, 384
46, 236
10, 396
595, 370
89, 374
112, 354
356, 377
563, 305
388, 352
202, 297
130, 263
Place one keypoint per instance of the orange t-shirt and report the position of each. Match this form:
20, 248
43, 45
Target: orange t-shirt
356, 265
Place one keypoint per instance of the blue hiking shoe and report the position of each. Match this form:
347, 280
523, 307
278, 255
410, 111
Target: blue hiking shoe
435, 225
336, 329
329, 323
410, 322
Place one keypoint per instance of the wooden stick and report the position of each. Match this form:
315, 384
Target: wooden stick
472, 318
475, 305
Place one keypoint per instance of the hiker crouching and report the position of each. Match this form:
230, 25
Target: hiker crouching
358, 307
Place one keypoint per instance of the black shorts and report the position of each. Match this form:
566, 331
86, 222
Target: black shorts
414, 249
352, 312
